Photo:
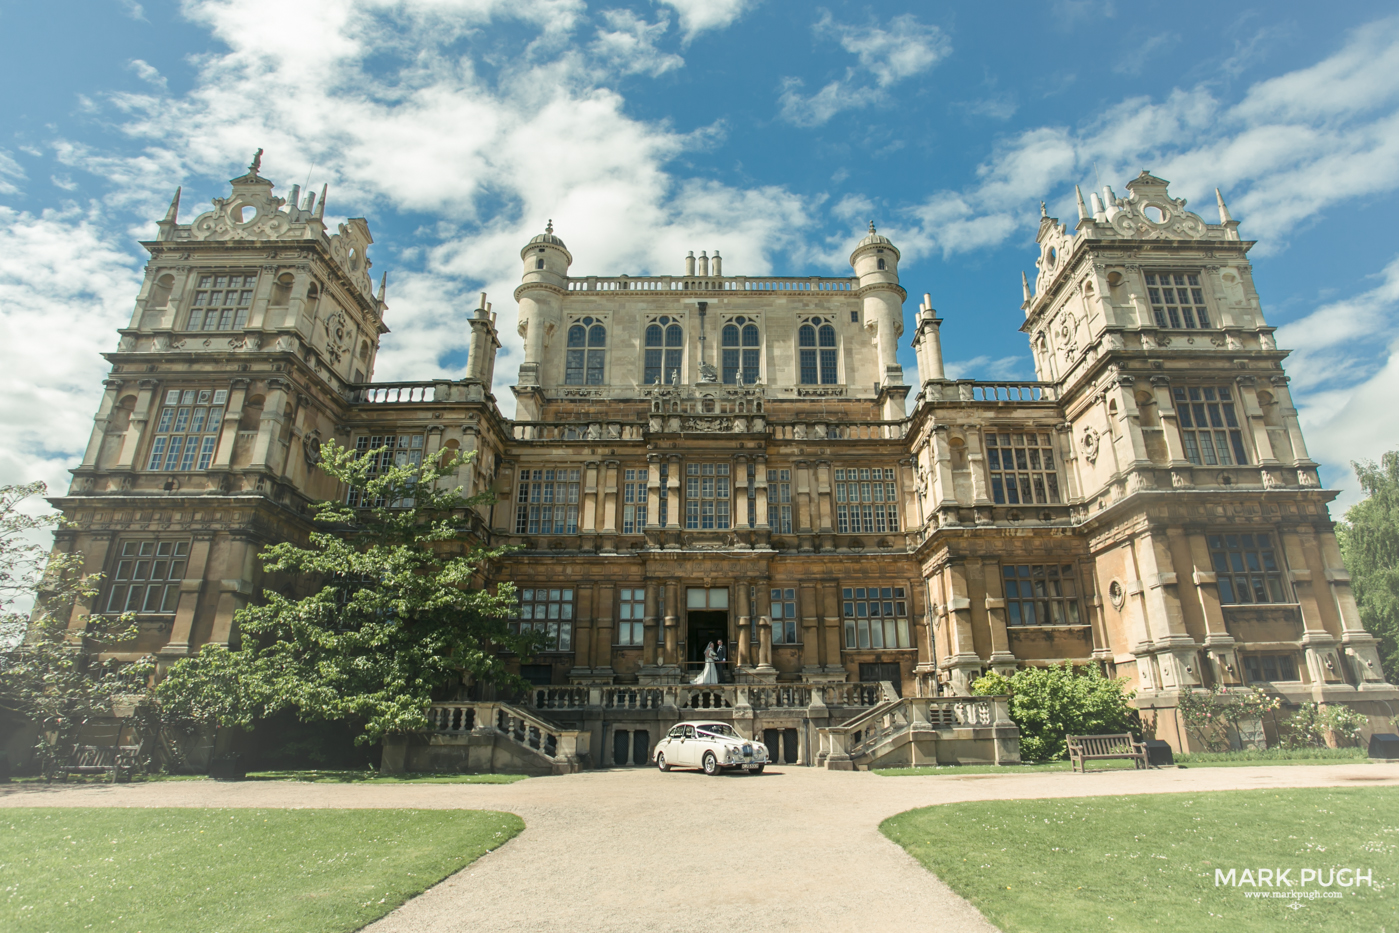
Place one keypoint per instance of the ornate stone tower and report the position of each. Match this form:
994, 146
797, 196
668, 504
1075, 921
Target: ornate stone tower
254, 326
1201, 506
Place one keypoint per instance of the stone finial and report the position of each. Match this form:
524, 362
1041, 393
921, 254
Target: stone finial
1224, 216
872, 226
256, 163
549, 227
1044, 212
1082, 208
383, 286
172, 214
1025, 285
320, 208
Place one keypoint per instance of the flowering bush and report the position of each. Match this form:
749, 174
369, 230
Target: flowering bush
1211, 717
1309, 726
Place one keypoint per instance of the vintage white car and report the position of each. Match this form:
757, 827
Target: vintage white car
711, 746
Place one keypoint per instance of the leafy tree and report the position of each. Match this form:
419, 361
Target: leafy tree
51, 672
1048, 703
396, 617
1369, 540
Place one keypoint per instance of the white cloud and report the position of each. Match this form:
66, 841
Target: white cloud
487, 161
1004, 368
1345, 377
886, 56
10, 173
133, 9
1293, 146
629, 44
148, 73
697, 16
65, 287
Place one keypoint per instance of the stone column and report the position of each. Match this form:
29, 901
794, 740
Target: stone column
99, 425
228, 432
1002, 658
811, 629
765, 646
604, 607
190, 588
267, 451
1289, 419
588, 512
1170, 424
672, 624
964, 662
1254, 424
650, 625
804, 522
136, 429
609, 480
235, 589
583, 634
676, 507
745, 624
831, 660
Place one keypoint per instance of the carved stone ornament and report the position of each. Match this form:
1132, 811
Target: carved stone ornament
1090, 443
311, 447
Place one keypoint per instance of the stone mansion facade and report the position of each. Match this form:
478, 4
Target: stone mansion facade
706, 457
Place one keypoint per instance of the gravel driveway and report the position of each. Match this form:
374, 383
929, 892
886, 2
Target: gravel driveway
791, 849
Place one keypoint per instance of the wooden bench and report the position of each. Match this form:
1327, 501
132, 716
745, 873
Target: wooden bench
100, 759
1086, 748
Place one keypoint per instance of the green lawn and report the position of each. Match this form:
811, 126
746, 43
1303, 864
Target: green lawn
1148, 862
301, 871
1273, 756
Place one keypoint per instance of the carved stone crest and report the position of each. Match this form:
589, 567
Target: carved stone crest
1090, 443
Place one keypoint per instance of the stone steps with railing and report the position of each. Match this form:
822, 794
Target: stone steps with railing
975, 729
564, 751
694, 697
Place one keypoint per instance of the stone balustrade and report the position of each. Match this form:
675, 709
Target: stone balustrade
841, 431
576, 431
816, 285
395, 393
564, 747
709, 696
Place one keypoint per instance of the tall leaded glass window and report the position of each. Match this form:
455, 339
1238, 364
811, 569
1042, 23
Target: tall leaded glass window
147, 577
1022, 468
706, 495
631, 616
586, 360
875, 617
784, 616
1177, 299
221, 302
1247, 569
546, 502
665, 344
739, 342
866, 500
549, 611
1209, 426
187, 430
1041, 594
634, 501
780, 501
816, 351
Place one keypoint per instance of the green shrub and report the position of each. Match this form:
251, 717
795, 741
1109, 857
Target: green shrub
1048, 703
1211, 717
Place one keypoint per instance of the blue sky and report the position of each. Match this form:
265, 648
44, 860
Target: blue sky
771, 131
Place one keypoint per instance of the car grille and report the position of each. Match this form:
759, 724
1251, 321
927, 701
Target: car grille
747, 751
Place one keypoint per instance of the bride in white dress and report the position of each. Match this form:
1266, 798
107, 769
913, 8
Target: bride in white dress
710, 674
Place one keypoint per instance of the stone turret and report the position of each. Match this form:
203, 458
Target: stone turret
546, 262
876, 264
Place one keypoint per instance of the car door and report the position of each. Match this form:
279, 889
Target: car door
688, 748
670, 747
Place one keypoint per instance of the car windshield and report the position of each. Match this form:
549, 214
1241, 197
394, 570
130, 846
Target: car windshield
719, 729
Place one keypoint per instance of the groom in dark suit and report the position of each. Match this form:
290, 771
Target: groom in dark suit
721, 657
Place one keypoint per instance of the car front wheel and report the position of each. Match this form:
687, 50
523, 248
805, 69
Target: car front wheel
661, 762
711, 763
757, 770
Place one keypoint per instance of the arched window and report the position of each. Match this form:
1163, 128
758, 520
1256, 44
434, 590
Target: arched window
739, 342
587, 354
881, 264
665, 342
816, 343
